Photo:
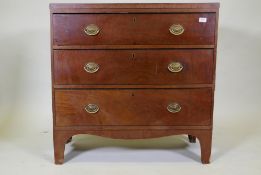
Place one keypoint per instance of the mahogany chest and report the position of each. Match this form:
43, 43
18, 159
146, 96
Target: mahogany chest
133, 71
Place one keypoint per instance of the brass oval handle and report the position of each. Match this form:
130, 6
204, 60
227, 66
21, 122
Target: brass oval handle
91, 67
91, 30
92, 108
174, 107
175, 67
176, 29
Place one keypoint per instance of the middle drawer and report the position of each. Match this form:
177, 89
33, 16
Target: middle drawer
120, 67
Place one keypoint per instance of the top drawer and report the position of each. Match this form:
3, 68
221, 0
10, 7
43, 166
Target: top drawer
137, 29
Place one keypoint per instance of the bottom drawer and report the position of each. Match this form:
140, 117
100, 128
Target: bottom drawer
150, 107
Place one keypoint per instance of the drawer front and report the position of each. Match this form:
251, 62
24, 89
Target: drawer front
128, 29
133, 107
133, 67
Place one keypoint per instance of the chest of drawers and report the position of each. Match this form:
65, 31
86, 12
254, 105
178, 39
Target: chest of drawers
133, 71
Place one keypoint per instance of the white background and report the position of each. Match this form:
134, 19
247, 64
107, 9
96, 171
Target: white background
25, 102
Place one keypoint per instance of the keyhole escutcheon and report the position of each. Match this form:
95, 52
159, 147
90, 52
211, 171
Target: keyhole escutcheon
133, 55
134, 19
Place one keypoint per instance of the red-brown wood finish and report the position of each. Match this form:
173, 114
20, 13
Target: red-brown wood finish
133, 107
140, 29
133, 85
203, 135
133, 67
63, 7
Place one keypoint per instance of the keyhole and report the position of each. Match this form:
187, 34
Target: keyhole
134, 19
133, 55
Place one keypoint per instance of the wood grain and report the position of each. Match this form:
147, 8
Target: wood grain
135, 29
136, 86
132, 67
133, 86
204, 137
197, 6
133, 107
122, 47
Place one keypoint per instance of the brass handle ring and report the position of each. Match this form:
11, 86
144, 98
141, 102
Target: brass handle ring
176, 29
174, 107
91, 67
175, 67
91, 30
92, 108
